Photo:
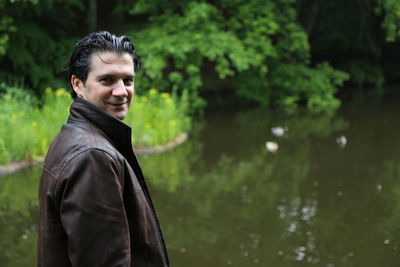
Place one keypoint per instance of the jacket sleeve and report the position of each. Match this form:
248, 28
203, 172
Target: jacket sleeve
92, 211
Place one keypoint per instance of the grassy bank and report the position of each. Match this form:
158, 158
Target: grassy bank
28, 128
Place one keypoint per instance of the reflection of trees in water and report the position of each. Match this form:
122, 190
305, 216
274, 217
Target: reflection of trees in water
230, 210
18, 218
244, 210
300, 125
170, 169
18, 237
357, 217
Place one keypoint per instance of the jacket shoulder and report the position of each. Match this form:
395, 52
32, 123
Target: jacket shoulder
77, 140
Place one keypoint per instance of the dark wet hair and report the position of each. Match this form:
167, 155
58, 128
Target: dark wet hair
97, 42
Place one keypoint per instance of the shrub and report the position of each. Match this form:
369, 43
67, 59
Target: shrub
157, 117
28, 129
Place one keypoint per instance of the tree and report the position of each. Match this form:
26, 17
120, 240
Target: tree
351, 35
37, 41
390, 9
258, 43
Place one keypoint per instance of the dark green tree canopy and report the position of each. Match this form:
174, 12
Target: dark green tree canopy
281, 52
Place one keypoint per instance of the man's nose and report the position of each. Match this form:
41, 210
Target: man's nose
120, 89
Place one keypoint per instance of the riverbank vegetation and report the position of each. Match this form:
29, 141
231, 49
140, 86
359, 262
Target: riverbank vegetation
28, 126
272, 53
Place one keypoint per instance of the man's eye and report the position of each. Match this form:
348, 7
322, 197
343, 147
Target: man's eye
128, 81
106, 80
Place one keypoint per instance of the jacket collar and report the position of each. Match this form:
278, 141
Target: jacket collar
118, 131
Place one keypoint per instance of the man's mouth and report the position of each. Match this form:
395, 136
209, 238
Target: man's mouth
118, 104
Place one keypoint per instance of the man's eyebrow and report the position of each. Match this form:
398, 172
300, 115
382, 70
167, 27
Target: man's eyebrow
108, 75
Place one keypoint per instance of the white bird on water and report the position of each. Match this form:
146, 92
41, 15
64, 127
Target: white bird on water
272, 146
279, 131
341, 141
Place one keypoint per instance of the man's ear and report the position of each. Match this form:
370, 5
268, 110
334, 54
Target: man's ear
77, 85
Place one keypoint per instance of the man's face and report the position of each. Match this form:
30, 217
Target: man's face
109, 84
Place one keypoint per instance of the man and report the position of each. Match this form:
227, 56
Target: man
95, 208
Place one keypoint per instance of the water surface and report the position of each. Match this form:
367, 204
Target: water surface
223, 199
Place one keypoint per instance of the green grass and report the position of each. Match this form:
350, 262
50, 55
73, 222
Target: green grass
27, 129
157, 118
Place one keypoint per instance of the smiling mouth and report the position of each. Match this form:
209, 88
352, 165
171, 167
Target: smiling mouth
118, 104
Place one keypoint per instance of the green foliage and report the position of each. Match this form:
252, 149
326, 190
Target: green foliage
14, 107
350, 38
4, 157
184, 44
27, 129
6, 28
314, 86
7, 23
36, 44
296, 83
174, 47
391, 21
363, 71
157, 118
54, 112
256, 41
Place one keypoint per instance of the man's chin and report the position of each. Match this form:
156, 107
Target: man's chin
120, 117
119, 114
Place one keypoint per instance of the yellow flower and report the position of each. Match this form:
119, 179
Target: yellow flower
34, 124
153, 91
60, 91
144, 98
172, 122
14, 116
48, 90
169, 101
165, 95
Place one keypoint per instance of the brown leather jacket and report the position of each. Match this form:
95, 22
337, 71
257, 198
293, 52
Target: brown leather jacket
95, 208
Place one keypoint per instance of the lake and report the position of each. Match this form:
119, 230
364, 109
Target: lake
329, 195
